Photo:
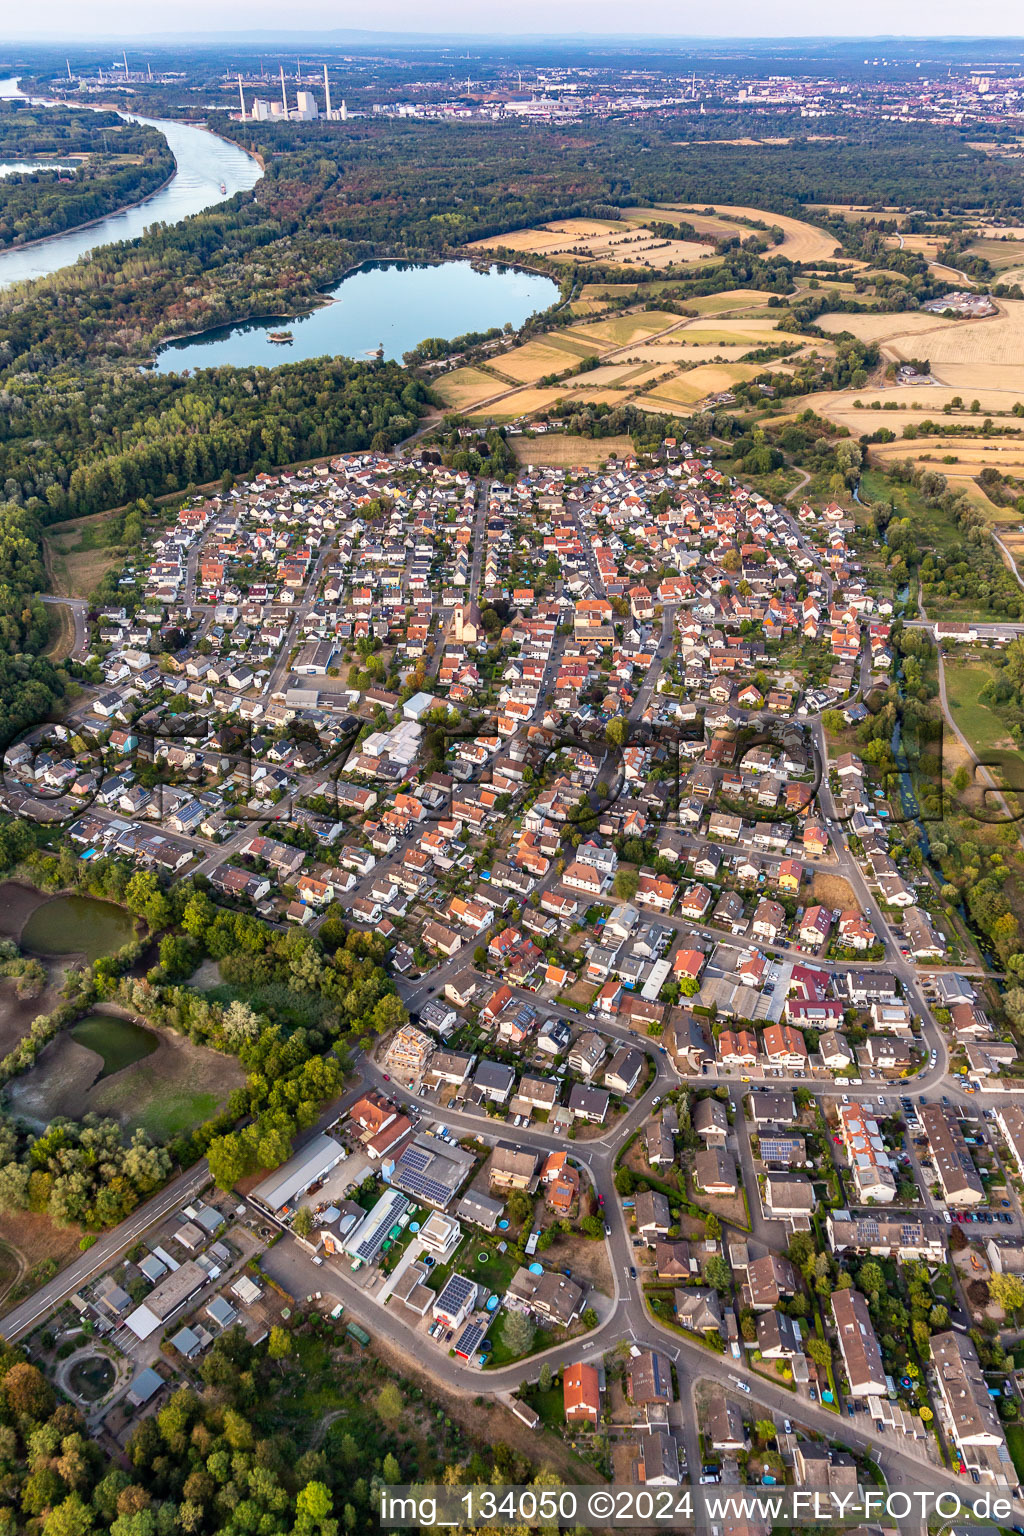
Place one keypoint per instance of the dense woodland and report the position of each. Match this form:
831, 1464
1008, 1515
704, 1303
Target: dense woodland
73, 443
123, 163
290, 1437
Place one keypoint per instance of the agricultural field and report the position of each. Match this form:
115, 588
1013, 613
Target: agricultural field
599, 241
708, 379
562, 450
1005, 254
465, 387
890, 328
977, 354
803, 241
619, 330
740, 299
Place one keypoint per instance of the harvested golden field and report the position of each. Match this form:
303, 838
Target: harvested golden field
465, 386
998, 342
802, 243
604, 335
753, 331
616, 374
914, 401
527, 364
599, 241
708, 379
999, 253
969, 458
887, 328
735, 298
683, 351
562, 451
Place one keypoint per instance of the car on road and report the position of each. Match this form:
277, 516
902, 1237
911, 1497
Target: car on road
813, 1394
387, 1077
632, 1271
787, 1428
607, 1230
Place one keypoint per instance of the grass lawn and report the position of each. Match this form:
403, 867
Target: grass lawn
980, 723
495, 1271
550, 1405
1015, 1442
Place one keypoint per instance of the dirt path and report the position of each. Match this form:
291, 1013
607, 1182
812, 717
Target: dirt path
805, 480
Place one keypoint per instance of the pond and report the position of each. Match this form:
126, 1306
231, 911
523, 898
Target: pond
91, 1377
391, 304
118, 1041
77, 925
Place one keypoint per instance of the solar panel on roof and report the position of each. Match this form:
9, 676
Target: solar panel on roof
469, 1339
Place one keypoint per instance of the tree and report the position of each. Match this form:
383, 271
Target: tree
616, 731
279, 1344
820, 1353
625, 884
27, 1391
314, 1505
592, 1226
718, 1274
302, 1222
518, 1332
391, 1472
590, 1318
1007, 1291
389, 1404
712, 1228
544, 1380
764, 1429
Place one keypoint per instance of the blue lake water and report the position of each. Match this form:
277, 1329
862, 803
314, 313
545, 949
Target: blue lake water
393, 304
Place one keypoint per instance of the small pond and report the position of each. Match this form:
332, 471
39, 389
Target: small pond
91, 1377
77, 925
118, 1041
391, 304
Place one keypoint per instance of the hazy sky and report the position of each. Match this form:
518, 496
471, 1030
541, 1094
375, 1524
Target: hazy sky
70, 19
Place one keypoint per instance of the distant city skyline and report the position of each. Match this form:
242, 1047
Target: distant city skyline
872, 19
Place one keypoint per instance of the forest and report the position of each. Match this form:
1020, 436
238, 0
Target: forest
72, 443
288, 1437
118, 163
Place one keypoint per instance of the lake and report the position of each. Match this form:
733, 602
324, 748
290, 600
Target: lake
205, 163
77, 925
118, 1041
397, 304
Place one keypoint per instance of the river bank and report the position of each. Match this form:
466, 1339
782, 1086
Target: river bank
204, 162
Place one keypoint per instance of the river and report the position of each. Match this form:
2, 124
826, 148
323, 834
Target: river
204, 162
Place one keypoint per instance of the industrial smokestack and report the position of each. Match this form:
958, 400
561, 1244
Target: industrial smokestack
284, 94
241, 97
327, 93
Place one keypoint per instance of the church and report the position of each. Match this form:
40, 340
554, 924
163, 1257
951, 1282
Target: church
467, 625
